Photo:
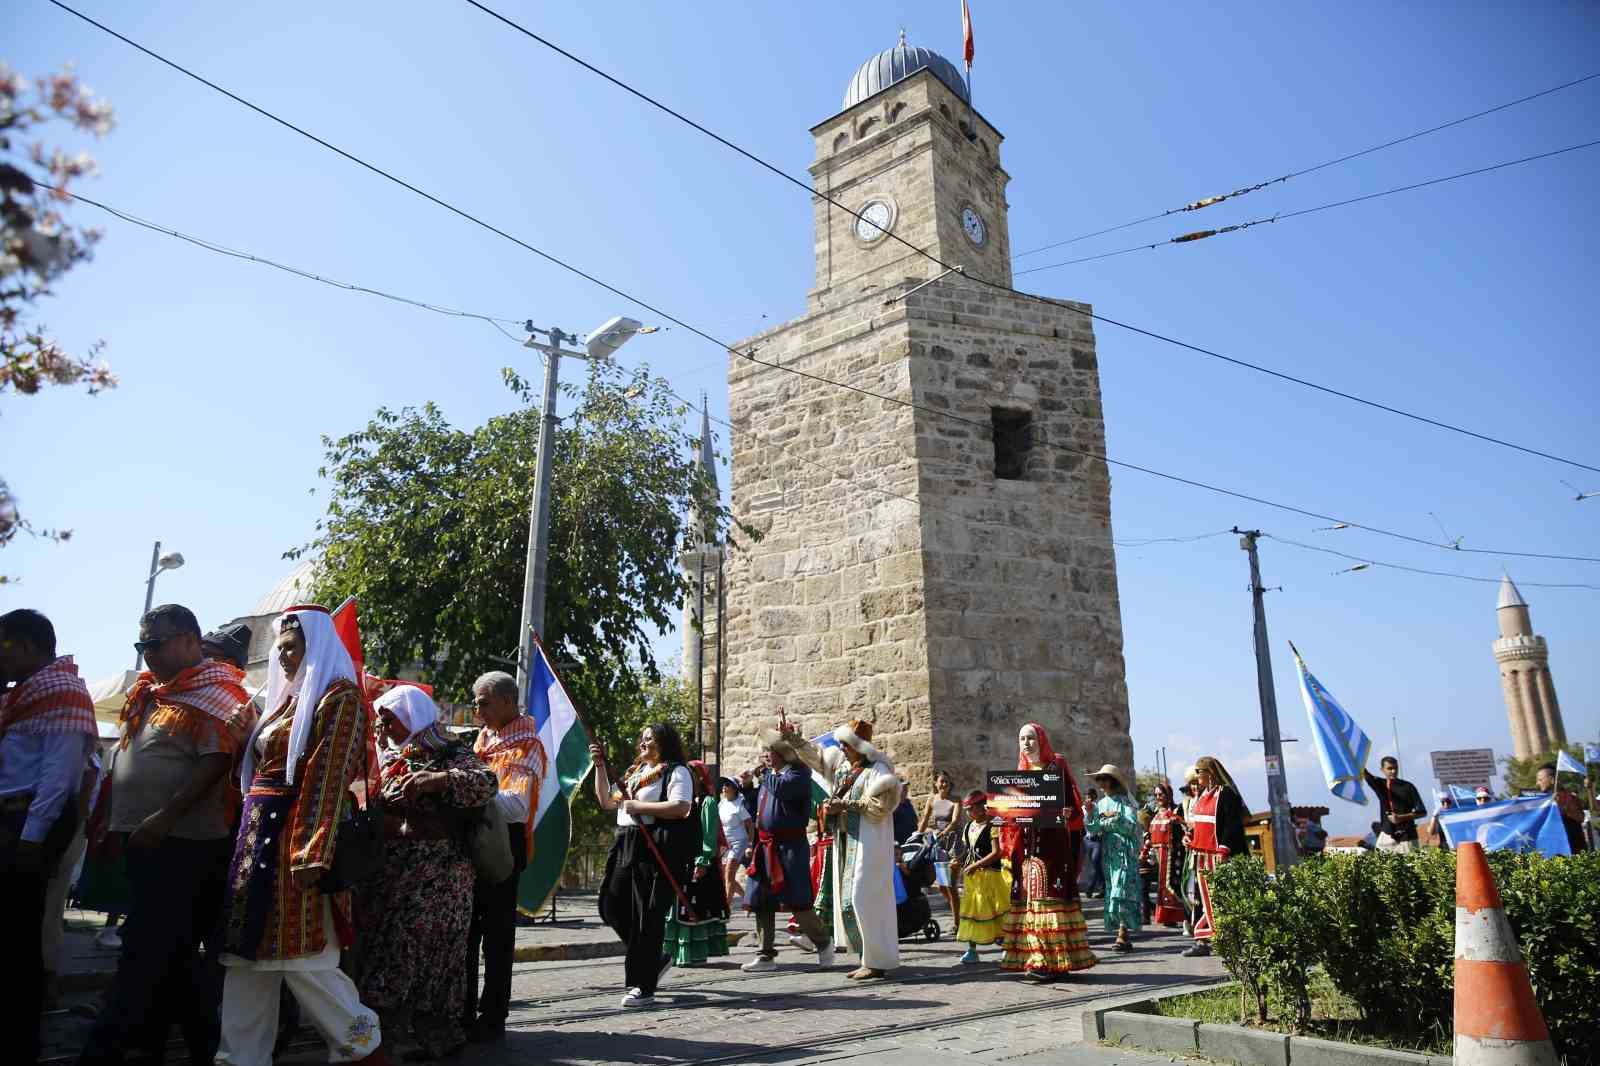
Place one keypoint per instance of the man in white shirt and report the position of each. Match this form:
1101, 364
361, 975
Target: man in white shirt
47, 729
509, 744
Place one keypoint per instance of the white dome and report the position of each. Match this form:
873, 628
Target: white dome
294, 588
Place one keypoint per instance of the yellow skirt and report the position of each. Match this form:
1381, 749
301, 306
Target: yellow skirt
1046, 936
985, 901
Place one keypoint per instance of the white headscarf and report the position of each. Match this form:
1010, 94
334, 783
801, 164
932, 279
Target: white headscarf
411, 707
325, 662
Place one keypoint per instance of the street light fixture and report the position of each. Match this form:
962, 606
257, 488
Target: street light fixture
602, 344
158, 563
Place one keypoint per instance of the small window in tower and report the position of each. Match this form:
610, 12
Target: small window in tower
1013, 439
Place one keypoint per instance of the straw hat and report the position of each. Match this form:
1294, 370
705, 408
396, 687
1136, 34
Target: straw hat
775, 741
1112, 772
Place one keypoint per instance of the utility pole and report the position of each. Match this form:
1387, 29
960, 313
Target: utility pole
1283, 844
602, 342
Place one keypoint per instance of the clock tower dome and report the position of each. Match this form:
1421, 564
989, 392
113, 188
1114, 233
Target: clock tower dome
910, 155
922, 457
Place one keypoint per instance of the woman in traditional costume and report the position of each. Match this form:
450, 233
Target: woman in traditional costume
416, 913
863, 792
281, 929
655, 796
1044, 934
1215, 834
1165, 846
986, 880
1116, 823
701, 931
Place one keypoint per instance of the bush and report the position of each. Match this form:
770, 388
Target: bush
1382, 927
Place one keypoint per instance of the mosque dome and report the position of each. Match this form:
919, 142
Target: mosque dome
896, 65
295, 588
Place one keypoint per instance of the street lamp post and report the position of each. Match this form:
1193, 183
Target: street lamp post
601, 344
158, 563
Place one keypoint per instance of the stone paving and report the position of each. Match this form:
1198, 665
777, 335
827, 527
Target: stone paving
934, 1011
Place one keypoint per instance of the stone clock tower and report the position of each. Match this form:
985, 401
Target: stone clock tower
948, 580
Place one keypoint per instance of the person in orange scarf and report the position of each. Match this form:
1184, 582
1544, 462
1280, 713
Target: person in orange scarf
509, 743
184, 721
47, 730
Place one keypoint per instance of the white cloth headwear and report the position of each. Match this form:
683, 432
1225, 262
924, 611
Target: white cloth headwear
411, 707
325, 662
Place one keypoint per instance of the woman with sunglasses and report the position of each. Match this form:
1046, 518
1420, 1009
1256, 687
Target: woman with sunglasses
651, 858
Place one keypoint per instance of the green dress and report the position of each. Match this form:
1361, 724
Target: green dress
1119, 853
690, 943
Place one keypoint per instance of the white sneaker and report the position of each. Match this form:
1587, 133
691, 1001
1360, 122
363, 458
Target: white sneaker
637, 1000
801, 941
825, 958
109, 938
760, 964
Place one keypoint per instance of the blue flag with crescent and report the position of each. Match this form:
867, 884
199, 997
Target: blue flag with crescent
1341, 745
1530, 823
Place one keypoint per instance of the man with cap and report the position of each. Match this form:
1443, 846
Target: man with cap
780, 860
862, 794
230, 644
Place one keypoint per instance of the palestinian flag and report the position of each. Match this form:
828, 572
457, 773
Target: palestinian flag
567, 763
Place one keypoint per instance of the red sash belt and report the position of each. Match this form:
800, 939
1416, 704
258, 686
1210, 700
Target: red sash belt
767, 844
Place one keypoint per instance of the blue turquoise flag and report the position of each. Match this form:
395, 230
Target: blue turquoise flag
1530, 823
1462, 795
1591, 753
1566, 764
819, 784
1341, 745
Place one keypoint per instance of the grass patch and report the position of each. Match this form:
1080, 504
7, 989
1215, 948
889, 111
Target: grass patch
1333, 1017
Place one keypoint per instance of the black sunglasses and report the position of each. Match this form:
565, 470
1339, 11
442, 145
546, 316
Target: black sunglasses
145, 647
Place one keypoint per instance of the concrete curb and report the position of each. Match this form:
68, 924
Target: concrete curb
1132, 1022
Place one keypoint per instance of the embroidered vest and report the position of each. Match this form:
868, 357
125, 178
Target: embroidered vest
1203, 816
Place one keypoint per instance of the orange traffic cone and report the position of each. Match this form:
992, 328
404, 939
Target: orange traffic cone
1497, 1021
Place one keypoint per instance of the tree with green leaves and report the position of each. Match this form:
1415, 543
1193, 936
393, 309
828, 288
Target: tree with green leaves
427, 526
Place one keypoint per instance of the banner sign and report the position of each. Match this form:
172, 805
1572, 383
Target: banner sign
1026, 797
1466, 766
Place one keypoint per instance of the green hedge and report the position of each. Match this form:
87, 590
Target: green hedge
1382, 926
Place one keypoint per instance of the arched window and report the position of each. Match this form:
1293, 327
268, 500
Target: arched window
944, 110
840, 141
894, 112
866, 124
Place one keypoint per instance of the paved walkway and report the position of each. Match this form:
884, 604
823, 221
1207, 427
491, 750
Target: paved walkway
565, 1007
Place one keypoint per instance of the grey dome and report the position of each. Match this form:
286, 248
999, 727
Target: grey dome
896, 65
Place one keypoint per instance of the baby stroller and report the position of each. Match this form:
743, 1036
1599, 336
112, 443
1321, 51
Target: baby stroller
915, 873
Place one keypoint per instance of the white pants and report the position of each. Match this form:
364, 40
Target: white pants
55, 901
1389, 843
327, 998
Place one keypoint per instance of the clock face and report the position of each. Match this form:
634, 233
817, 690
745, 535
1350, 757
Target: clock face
972, 223
874, 220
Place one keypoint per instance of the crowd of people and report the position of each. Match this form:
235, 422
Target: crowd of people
318, 857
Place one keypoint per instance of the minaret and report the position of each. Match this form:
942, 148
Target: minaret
1524, 660
701, 559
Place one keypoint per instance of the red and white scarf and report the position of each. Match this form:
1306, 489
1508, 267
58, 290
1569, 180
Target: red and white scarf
204, 700
53, 700
516, 755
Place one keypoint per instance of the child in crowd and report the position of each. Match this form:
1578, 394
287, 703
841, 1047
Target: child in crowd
986, 892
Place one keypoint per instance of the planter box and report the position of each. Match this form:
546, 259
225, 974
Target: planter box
1150, 1032
1234, 1043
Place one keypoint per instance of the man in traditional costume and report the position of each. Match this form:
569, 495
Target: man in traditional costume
184, 721
509, 743
308, 748
1165, 846
1045, 936
863, 792
1215, 835
47, 731
779, 873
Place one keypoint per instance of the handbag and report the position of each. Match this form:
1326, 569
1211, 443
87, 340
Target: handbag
358, 843
489, 843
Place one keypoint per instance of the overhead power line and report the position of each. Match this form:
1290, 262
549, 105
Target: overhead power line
653, 309
1210, 201
1369, 561
812, 191
1199, 235
234, 253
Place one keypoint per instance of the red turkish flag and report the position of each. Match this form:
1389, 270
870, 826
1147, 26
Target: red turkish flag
349, 630
966, 34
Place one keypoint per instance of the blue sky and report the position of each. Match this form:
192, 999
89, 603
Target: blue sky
1466, 301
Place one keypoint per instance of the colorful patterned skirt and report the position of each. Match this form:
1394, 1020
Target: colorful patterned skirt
1045, 936
691, 943
985, 903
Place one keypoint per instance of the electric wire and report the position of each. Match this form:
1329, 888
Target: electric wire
750, 356
1237, 227
1212, 200
811, 190
1369, 561
221, 249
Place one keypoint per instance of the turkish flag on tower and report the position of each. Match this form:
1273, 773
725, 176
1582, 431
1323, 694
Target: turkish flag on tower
966, 34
